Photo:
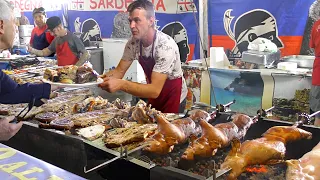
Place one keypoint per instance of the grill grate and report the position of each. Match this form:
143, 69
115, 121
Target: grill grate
145, 159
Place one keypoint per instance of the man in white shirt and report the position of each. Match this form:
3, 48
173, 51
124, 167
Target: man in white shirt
159, 57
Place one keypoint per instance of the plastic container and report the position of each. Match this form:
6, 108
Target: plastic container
287, 66
4, 65
20, 50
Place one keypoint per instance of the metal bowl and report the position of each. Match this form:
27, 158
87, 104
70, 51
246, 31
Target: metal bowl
303, 61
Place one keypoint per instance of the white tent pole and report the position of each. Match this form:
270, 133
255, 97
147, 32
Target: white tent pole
203, 25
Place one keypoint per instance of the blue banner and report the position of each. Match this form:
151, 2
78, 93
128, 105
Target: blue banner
53, 8
95, 20
235, 23
17, 165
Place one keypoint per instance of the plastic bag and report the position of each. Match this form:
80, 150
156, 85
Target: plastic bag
263, 45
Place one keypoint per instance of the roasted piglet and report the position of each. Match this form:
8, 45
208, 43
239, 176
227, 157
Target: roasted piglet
218, 136
169, 133
306, 168
266, 150
198, 114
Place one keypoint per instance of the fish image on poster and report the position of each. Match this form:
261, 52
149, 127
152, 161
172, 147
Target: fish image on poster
179, 33
90, 30
250, 26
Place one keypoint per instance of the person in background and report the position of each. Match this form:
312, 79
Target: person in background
159, 57
67, 46
40, 37
10, 91
314, 100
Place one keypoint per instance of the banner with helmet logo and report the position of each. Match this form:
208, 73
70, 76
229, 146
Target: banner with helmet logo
52, 8
93, 20
235, 23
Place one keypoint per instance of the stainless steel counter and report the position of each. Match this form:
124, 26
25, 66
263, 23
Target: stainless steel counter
96, 59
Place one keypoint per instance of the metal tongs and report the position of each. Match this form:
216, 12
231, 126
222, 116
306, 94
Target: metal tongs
304, 118
29, 106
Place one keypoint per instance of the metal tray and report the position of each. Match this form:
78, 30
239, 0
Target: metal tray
303, 61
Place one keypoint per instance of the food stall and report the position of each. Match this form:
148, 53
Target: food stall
96, 136
102, 135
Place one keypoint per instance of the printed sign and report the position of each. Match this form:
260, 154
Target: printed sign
17, 165
235, 23
161, 6
93, 20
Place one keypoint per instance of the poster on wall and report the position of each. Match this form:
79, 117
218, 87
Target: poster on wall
243, 86
53, 8
192, 75
235, 23
95, 19
291, 96
313, 16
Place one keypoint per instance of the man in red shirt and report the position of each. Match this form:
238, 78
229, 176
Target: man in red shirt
40, 37
315, 87
68, 47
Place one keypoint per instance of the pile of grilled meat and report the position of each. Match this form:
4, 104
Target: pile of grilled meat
71, 74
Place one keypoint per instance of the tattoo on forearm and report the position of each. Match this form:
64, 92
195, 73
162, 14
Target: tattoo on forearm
37, 52
84, 57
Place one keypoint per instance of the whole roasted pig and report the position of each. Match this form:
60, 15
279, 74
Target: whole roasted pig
269, 149
198, 114
218, 136
306, 168
169, 134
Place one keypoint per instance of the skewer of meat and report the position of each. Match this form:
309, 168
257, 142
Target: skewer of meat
268, 149
219, 136
307, 167
169, 133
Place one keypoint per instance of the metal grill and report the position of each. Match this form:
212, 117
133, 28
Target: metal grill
145, 159
206, 167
